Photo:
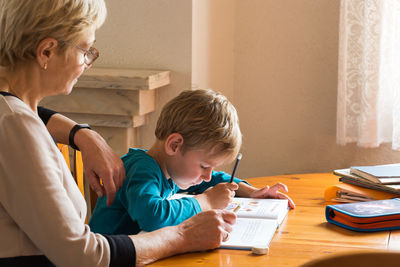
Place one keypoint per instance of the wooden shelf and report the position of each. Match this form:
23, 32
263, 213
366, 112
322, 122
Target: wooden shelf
126, 79
114, 101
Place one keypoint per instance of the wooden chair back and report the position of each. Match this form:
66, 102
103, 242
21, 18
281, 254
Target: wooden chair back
65, 152
77, 171
77, 166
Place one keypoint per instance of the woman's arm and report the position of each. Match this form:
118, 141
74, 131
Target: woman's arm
204, 231
99, 159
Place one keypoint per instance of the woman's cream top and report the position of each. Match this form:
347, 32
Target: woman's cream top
41, 209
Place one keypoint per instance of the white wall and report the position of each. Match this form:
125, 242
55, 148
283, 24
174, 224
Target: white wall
275, 60
283, 82
213, 55
147, 34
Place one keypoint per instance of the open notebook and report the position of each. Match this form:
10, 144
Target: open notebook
256, 223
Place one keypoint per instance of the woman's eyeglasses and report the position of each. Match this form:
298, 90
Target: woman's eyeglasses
89, 55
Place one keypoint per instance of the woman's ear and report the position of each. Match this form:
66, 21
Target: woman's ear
45, 50
173, 143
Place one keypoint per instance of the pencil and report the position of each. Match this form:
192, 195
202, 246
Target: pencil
236, 209
239, 157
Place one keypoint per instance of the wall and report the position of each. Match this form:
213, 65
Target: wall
275, 60
284, 79
149, 35
213, 55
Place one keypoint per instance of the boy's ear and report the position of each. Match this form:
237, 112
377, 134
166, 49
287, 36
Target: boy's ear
45, 50
173, 143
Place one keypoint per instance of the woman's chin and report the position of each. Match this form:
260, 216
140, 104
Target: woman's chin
68, 90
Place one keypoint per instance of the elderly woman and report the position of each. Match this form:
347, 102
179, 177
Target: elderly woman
45, 45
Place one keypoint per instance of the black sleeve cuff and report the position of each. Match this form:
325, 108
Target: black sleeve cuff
45, 114
122, 250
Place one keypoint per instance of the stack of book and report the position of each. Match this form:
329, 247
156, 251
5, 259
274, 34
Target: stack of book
365, 183
373, 191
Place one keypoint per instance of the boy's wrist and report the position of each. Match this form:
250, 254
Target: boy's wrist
203, 201
245, 190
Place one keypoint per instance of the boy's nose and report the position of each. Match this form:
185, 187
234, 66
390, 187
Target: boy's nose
207, 174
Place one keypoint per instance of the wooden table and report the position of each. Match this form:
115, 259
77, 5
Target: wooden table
303, 235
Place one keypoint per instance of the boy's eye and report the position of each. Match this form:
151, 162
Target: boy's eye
203, 167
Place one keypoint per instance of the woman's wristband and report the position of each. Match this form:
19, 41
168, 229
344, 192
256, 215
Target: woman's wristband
73, 131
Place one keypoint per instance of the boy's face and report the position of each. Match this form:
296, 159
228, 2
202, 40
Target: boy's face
192, 167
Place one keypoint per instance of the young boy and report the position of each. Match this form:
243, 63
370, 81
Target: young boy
197, 131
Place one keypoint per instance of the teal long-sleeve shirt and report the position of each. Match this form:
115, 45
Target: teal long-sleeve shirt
143, 202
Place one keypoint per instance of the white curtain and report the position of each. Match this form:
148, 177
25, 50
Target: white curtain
369, 73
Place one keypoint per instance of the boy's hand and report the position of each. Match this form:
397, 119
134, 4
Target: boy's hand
273, 192
217, 197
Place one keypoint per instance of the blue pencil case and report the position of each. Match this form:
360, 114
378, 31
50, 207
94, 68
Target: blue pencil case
369, 216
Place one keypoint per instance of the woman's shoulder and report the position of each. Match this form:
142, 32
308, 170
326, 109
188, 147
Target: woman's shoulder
18, 117
13, 106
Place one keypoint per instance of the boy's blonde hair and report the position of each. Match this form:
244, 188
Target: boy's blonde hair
24, 23
205, 119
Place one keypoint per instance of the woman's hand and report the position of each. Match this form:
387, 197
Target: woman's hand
100, 161
203, 231
207, 230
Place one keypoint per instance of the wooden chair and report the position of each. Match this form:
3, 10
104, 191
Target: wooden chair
357, 259
65, 152
77, 173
